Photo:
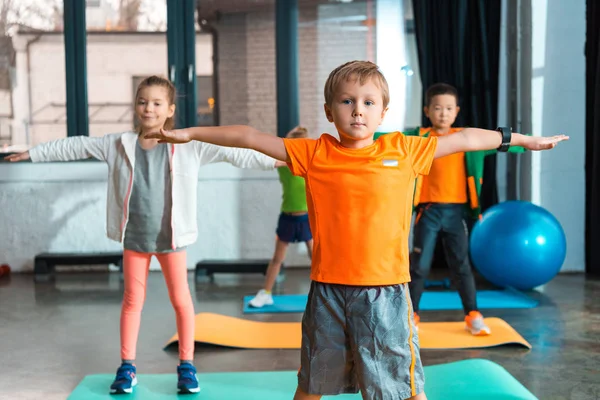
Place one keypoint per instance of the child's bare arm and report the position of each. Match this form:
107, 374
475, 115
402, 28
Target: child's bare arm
473, 139
229, 136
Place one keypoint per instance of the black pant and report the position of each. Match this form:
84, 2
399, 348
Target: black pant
447, 220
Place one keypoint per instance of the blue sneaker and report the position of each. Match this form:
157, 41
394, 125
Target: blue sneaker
187, 380
125, 379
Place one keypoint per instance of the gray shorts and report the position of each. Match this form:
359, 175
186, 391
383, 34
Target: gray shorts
360, 337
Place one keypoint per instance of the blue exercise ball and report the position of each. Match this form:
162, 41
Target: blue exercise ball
518, 244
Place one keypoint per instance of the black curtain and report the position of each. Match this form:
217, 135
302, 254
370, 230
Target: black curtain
458, 42
592, 141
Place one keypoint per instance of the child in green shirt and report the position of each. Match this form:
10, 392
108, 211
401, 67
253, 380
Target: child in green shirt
292, 227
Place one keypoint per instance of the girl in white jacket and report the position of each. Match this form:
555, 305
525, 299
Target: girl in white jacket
151, 201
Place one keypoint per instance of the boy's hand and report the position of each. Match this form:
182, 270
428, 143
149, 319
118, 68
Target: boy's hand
280, 164
542, 143
174, 136
18, 157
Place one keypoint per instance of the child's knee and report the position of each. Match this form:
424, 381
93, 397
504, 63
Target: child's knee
133, 300
278, 260
182, 301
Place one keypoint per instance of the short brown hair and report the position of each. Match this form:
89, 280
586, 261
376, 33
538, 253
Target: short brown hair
155, 80
360, 70
298, 132
438, 89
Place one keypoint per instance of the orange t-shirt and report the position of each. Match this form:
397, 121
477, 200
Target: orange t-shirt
447, 179
360, 205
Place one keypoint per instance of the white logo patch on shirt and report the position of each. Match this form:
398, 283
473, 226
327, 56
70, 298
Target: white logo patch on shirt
390, 163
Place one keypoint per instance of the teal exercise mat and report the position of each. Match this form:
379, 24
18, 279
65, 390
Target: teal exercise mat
446, 300
474, 379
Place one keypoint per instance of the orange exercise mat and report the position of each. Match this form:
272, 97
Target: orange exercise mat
222, 330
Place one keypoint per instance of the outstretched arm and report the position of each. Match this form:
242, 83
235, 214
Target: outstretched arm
18, 157
473, 139
68, 149
230, 136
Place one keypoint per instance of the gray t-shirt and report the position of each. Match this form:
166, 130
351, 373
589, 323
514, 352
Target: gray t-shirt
149, 226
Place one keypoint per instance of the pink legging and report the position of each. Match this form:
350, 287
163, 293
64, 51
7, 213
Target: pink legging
135, 275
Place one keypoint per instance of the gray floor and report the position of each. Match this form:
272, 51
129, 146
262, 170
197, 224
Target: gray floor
53, 334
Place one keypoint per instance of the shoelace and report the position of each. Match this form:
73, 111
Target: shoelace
124, 374
187, 375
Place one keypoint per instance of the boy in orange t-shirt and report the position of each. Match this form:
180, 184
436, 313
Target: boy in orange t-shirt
358, 331
441, 201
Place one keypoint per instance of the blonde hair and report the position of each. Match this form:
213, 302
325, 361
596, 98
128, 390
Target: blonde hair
298, 132
155, 80
362, 71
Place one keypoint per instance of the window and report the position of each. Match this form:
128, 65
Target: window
206, 100
126, 42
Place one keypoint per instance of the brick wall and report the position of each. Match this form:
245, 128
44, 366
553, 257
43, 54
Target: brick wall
247, 82
233, 83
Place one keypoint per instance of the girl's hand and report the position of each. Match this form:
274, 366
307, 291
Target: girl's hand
174, 136
17, 157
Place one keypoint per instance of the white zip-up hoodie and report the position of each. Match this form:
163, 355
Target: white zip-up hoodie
118, 151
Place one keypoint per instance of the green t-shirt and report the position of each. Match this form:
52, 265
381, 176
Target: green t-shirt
294, 191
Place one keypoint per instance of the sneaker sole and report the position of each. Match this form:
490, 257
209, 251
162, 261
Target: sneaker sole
125, 391
189, 391
121, 391
261, 305
482, 332
184, 390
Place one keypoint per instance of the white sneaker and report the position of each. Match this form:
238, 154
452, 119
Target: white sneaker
475, 324
262, 298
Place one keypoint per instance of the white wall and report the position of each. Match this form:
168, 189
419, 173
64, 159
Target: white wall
5, 103
61, 207
390, 35
5, 116
558, 106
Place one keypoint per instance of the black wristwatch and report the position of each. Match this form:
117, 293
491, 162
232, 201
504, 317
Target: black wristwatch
506, 137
